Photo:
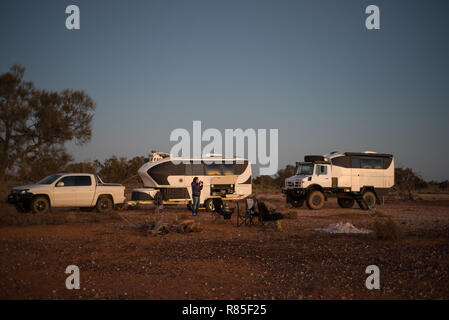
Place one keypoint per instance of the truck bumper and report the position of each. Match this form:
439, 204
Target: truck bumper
297, 192
19, 198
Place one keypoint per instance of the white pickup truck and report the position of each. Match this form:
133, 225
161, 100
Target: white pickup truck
83, 190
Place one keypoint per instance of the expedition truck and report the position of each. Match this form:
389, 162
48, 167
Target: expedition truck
364, 177
84, 190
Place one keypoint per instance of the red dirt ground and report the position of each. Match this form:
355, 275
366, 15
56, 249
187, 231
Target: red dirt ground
223, 261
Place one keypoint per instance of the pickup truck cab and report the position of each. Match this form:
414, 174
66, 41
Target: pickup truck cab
83, 190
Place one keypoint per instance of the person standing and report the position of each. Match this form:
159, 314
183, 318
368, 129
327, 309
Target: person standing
197, 186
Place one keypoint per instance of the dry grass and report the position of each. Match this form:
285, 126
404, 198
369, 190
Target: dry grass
387, 230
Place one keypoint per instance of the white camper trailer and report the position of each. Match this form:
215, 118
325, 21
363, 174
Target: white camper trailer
363, 177
169, 182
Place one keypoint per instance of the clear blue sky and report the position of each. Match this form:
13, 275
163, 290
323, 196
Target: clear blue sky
308, 68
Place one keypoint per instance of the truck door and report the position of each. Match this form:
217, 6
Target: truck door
85, 190
64, 193
355, 174
323, 175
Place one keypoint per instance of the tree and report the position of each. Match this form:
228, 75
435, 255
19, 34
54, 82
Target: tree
33, 120
407, 181
35, 166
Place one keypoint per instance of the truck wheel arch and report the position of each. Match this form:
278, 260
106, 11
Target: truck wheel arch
314, 187
373, 190
104, 195
42, 195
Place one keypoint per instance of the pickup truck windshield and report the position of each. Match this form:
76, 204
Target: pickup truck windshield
49, 179
305, 169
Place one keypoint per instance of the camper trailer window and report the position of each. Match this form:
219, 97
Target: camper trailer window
240, 167
197, 169
228, 169
213, 169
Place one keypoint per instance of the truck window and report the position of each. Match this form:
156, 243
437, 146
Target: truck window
355, 163
321, 170
373, 163
68, 181
82, 181
305, 169
49, 179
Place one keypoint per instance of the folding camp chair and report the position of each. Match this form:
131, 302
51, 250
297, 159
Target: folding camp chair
251, 215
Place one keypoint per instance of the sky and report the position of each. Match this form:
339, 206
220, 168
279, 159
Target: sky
310, 69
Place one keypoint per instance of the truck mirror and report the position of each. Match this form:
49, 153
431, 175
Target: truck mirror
60, 184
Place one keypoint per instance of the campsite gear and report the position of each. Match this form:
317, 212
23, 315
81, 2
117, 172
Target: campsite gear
268, 215
222, 209
250, 216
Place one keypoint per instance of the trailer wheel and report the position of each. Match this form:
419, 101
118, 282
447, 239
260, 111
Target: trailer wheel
40, 205
209, 205
104, 204
370, 199
296, 202
315, 200
345, 202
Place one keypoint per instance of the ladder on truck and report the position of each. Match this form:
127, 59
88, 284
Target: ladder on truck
361, 202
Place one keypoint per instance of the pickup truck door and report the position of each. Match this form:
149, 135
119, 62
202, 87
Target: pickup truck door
85, 190
64, 192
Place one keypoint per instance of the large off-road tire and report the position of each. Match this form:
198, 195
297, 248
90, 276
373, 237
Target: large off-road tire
370, 199
158, 200
315, 200
209, 205
296, 202
40, 204
345, 202
104, 204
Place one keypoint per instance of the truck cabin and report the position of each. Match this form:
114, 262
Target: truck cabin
313, 168
313, 165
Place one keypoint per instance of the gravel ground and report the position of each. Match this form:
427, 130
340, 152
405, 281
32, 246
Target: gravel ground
223, 261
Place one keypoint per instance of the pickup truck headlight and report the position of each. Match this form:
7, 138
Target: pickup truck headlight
23, 191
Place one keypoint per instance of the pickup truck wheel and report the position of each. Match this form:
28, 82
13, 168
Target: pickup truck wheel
104, 204
345, 202
40, 205
315, 200
370, 199
295, 201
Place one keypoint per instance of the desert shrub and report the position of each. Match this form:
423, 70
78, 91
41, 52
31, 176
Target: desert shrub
387, 230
